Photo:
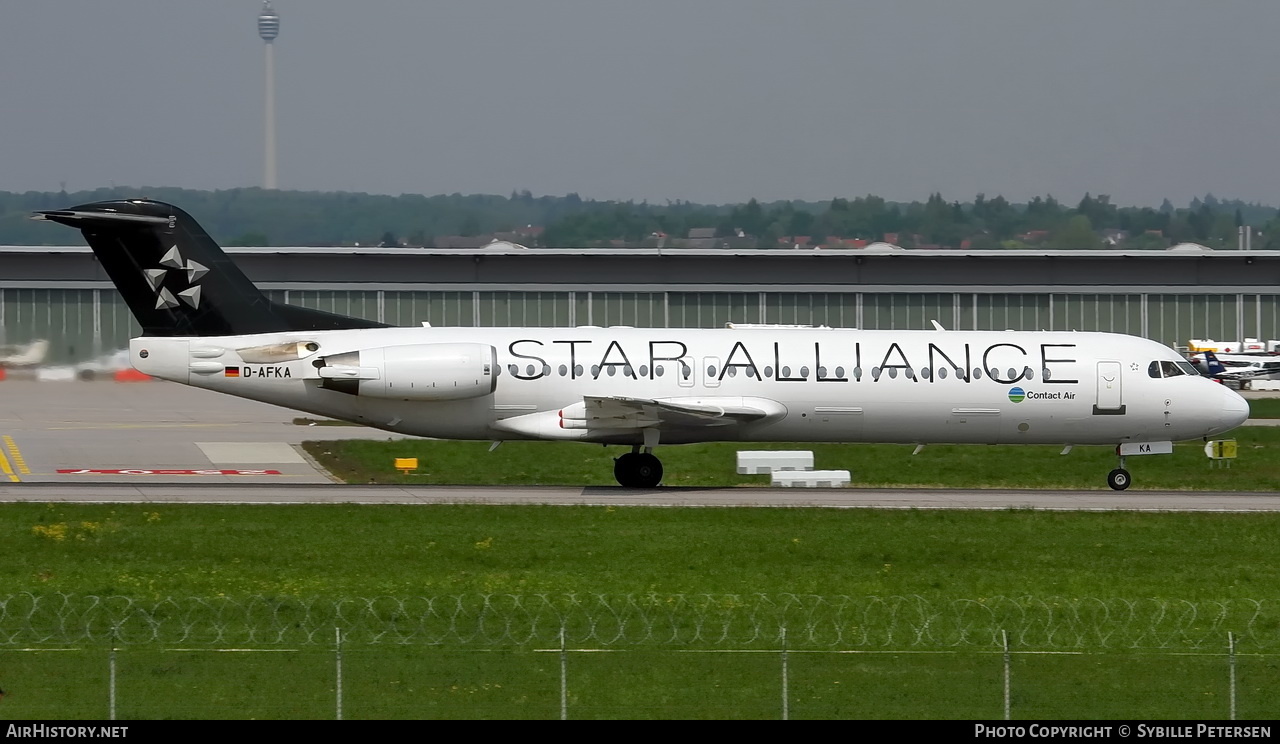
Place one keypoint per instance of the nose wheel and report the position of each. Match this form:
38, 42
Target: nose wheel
638, 470
1118, 479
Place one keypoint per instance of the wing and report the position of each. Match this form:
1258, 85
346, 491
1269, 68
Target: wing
597, 416
622, 412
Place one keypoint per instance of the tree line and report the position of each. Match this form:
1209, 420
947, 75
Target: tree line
254, 216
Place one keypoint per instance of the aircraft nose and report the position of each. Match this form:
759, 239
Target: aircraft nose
1235, 409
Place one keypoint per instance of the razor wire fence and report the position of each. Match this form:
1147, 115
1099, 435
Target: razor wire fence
763, 621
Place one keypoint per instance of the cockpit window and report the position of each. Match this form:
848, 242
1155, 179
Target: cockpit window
1160, 369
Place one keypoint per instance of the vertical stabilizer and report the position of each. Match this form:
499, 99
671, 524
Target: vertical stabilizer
175, 278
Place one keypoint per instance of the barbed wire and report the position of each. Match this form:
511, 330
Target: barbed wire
691, 620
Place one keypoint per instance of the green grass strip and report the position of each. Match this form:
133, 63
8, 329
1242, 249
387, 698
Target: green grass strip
714, 464
343, 550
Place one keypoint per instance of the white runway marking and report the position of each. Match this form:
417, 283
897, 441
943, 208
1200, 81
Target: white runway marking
244, 453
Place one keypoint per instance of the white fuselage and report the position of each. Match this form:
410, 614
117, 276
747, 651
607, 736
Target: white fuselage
817, 384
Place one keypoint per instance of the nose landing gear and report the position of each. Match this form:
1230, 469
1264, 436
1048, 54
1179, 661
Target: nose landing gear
1119, 478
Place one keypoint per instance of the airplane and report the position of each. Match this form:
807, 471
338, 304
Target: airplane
1207, 364
24, 355
1237, 368
206, 325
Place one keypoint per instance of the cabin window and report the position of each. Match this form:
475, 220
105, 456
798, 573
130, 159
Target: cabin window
1170, 369
893, 373
804, 372
529, 371
1028, 373
613, 370
644, 370
822, 371
875, 373
840, 372
857, 373
711, 370
577, 370
686, 370
564, 370
786, 372
1044, 374
942, 373
512, 369
1153, 370
925, 373
546, 370
910, 373
1013, 373
768, 371
977, 373
595, 370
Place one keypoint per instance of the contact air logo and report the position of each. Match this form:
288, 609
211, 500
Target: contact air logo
1017, 395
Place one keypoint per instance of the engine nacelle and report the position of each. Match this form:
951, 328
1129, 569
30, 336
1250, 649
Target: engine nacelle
415, 372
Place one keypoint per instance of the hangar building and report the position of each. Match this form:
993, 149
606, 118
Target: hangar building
62, 294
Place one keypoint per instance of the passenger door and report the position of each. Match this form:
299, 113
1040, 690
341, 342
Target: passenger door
1110, 398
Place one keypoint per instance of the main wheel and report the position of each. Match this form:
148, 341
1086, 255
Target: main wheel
648, 470
624, 469
637, 470
1118, 479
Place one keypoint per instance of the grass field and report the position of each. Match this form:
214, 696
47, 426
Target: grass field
714, 464
154, 551
335, 552
341, 550
1264, 408
433, 683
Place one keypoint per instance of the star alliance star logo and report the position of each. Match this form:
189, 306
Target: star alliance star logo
166, 300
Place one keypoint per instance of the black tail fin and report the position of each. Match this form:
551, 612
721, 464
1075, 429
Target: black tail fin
176, 280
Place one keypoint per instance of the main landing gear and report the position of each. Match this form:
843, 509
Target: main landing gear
1119, 478
638, 469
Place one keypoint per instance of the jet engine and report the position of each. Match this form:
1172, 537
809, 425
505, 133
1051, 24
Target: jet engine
414, 372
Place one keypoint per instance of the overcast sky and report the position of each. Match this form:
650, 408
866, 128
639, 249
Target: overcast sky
705, 100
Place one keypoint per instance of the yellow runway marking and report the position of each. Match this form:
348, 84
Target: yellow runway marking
16, 455
7, 469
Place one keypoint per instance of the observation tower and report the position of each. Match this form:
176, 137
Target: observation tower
269, 29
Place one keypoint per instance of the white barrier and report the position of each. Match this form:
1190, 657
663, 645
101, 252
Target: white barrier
811, 478
1264, 385
764, 462
55, 374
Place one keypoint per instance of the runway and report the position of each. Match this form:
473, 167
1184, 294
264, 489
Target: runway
831, 498
48, 427
103, 442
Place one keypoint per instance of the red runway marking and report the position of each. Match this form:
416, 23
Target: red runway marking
91, 471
